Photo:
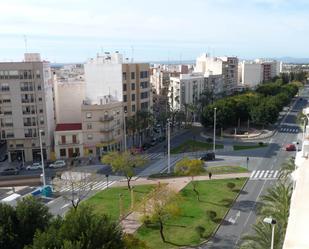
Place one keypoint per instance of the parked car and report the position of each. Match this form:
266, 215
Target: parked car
34, 166
208, 157
57, 164
146, 146
153, 142
10, 171
4, 158
290, 147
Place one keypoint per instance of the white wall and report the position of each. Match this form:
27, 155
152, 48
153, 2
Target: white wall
252, 73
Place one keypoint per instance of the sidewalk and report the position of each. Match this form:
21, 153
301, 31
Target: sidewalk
132, 222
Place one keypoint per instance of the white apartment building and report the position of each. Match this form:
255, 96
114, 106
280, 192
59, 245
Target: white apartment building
187, 88
69, 94
69, 140
111, 76
26, 107
227, 66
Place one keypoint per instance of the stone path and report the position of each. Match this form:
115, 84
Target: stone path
132, 222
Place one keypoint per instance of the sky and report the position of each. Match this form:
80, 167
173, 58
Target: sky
174, 30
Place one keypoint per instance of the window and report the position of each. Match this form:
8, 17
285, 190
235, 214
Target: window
144, 84
89, 126
40, 98
132, 86
144, 105
124, 76
124, 87
63, 140
41, 120
39, 87
132, 75
38, 76
41, 110
133, 97
124, 98
133, 108
89, 136
88, 115
144, 95
63, 153
74, 139
143, 74
125, 109
5, 87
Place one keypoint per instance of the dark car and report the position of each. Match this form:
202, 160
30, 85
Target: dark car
146, 146
10, 171
208, 157
4, 158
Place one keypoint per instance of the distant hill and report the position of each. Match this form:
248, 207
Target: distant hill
293, 60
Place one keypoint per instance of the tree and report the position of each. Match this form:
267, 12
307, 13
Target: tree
78, 185
133, 242
160, 205
18, 225
144, 120
81, 228
124, 163
190, 167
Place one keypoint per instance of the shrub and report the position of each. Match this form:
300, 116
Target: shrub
211, 214
146, 220
200, 230
230, 185
261, 143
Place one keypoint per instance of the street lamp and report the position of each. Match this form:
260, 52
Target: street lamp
215, 116
272, 222
42, 157
168, 147
125, 130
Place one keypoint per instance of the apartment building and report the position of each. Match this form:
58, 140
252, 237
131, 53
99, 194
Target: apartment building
187, 88
102, 126
113, 76
26, 107
69, 94
227, 66
69, 140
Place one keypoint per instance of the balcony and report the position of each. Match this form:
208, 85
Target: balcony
10, 135
7, 113
30, 124
106, 130
68, 142
106, 118
5, 89
27, 101
26, 89
28, 112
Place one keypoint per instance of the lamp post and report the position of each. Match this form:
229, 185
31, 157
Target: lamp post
272, 222
168, 147
125, 130
215, 116
106, 180
42, 157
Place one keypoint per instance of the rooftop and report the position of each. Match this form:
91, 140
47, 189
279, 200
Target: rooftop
69, 127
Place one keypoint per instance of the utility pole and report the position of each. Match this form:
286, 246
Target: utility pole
168, 147
215, 116
42, 157
125, 131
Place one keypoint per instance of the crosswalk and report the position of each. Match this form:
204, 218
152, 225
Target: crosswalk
289, 129
264, 174
90, 186
153, 156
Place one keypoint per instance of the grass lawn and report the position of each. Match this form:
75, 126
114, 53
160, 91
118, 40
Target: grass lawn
107, 201
191, 145
248, 147
225, 169
180, 231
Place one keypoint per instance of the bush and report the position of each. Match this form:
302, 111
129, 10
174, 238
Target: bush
211, 214
261, 143
230, 185
146, 220
200, 231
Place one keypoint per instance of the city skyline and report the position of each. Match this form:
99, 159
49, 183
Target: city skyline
72, 31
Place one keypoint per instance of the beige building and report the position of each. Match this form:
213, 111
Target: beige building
26, 106
69, 140
102, 126
69, 95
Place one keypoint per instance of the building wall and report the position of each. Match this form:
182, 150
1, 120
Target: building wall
252, 74
69, 96
102, 127
69, 146
29, 110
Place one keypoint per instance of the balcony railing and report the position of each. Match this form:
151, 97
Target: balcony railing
106, 130
30, 124
25, 89
27, 101
68, 142
28, 113
106, 118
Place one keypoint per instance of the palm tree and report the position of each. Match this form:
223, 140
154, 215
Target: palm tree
132, 127
287, 169
144, 120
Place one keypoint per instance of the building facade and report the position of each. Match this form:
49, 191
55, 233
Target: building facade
68, 140
187, 88
26, 107
251, 74
113, 77
227, 66
102, 126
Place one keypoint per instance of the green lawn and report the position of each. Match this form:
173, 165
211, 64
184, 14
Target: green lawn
180, 231
226, 169
191, 145
248, 147
107, 201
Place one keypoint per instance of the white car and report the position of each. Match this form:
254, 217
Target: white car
57, 164
34, 166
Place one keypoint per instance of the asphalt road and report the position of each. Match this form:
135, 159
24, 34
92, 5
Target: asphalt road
243, 213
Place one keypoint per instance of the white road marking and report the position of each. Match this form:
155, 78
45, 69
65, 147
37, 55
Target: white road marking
65, 205
276, 173
252, 174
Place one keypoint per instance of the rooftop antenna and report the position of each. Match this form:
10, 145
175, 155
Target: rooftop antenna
26, 45
132, 55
